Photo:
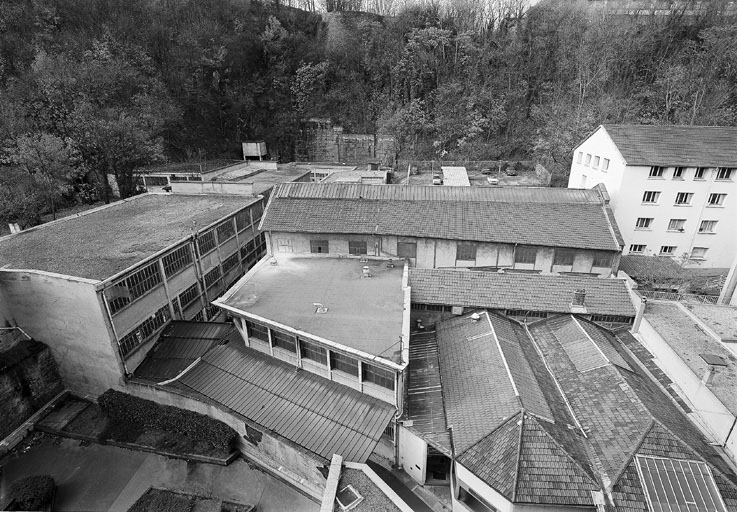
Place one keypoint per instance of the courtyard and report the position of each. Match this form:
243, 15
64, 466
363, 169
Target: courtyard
105, 478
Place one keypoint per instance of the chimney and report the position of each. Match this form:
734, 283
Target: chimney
579, 302
715, 363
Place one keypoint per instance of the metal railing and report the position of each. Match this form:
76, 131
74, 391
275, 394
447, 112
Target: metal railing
679, 297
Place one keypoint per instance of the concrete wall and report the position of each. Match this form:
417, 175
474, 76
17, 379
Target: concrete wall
26, 385
481, 489
67, 315
212, 187
253, 436
436, 253
627, 205
717, 418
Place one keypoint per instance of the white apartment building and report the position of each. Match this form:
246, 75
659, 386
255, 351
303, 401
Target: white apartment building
673, 188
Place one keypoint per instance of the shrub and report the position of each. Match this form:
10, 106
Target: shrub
121, 430
33, 492
198, 427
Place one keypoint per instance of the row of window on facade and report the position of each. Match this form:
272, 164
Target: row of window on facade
676, 225
319, 354
700, 173
136, 285
465, 251
683, 198
249, 256
592, 161
525, 313
697, 253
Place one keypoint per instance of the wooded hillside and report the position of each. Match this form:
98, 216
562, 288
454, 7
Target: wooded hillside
91, 87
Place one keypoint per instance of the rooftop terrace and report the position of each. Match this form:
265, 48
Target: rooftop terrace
364, 314
99, 243
688, 340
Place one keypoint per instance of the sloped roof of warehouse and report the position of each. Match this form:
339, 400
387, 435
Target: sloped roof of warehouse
320, 415
510, 290
688, 146
99, 243
535, 216
552, 413
509, 424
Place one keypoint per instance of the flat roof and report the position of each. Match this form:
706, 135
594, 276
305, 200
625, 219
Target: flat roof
263, 177
687, 340
720, 319
99, 243
364, 314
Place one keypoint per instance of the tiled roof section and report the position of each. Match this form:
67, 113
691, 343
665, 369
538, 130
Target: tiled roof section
493, 290
180, 345
605, 406
695, 146
584, 354
511, 337
320, 415
524, 463
547, 474
649, 267
494, 459
628, 492
605, 345
434, 193
477, 391
424, 403
574, 219
614, 225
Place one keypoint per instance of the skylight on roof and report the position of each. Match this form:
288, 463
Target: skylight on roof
673, 485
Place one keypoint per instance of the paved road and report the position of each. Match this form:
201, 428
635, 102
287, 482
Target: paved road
106, 478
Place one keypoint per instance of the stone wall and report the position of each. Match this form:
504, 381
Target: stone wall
29, 378
320, 141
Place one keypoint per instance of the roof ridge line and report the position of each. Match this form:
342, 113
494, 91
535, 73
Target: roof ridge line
504, 359
632, 455
588, 336
519, 454
500, 425
564, 450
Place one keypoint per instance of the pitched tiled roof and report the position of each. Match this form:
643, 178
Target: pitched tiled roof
477, 390
493, 290
544, 216
179, 345
320, 415
638, 266
524, 463
688, 146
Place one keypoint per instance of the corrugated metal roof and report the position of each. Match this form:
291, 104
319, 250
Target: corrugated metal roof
434, 193
493, 290
424, 405
320, 415
687, 146
455, 177
179, 345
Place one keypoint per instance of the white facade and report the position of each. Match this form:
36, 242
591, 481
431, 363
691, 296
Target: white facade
656, 224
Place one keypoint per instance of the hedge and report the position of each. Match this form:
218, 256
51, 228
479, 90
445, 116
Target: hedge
198, 427
33, 492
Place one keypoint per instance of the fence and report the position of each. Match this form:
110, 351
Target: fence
679, 297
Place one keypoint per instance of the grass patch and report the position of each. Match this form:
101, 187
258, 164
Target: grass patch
32, 493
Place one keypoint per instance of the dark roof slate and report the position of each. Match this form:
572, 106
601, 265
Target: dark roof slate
493, 290
639, 267
522, 461
574, 219
694, 146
